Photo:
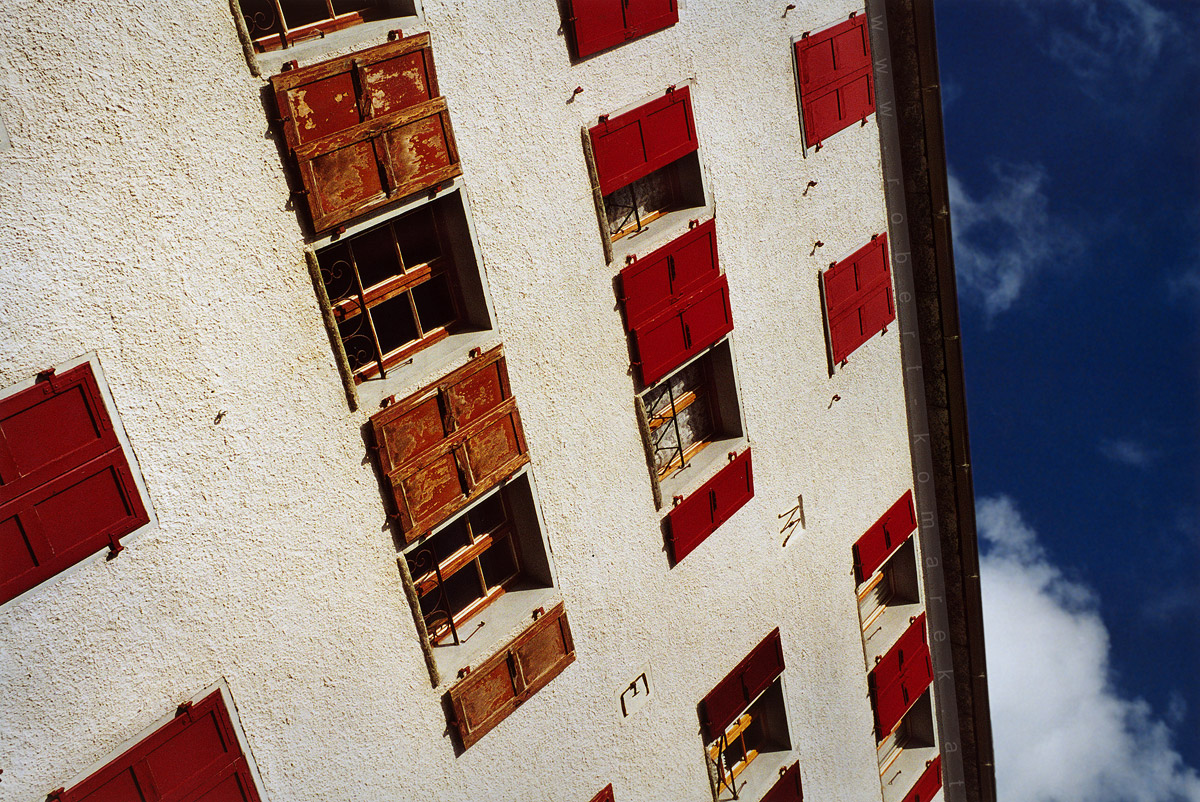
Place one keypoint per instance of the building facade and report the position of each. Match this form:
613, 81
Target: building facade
417, 399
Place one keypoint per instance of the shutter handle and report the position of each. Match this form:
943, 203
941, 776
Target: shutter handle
712, 502
687, 336
671, 270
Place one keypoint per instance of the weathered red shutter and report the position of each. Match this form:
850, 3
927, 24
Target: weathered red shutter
690, 325
606, 795
787, 787
836, 79
449, 442
753, 675
366, 129
858, 297
66, 489
595, 25
884, 537
911, 645
646, 16
712, 504
196, 756
653, 283
499, 685
638, 142
929, 783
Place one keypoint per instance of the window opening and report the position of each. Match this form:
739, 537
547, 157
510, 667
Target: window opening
631, 208
277, 24
681, 418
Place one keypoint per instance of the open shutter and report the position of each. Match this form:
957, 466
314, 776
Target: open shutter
605, 795
646, 16
712, 504
597, 25
651, 285
858, 297
689, 325
912, 645
504, 681
787, 787
883, 538
196, 756
638, 142
893, 695
366, 129
929, 784
836, 79
753, 675
450, 442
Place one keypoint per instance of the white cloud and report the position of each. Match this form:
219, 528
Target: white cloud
1002, 239
1063, 732
1126, 451
1185, 285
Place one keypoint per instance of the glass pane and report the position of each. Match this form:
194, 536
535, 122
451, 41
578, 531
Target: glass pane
488, 515
417, 234
337, 272
394, 323
498, 563
304, 12
434, 305
375, 253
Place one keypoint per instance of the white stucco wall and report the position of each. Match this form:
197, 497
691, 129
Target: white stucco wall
143, 216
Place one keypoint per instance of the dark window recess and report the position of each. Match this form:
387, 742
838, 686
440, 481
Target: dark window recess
883, 538
682, 417
66, 488
494, 689
449, 443
900, 678
858, 298
696, 517
277, 24
597, 25
929, 783
195, 756
787, 788
837, 85
366, 130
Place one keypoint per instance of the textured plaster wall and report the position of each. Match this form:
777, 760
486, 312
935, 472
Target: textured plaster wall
144, 216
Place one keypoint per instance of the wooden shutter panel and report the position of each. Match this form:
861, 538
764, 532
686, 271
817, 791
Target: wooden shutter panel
787, 787
449, 443
753, 675
689, 325
595, 25
929, 783
911, 646
858, 297
366, 129
891, 702
646, 16
883, 538
638, 142
652, 284
837, 86
712, 504
503, 682
605, 795
196, 756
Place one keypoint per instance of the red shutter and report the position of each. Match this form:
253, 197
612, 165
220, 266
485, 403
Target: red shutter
690, 325
911, 645
503, 682
709, 506
196, 756
635, 144
858, 297
600, 24
929, 784
366, 129
66, 488
604, 796
884, 537
753, 675
652, 284
646, 16
836, 79
450, 442
891, 702
787, 787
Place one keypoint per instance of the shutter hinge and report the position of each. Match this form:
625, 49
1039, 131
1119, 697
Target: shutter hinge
464, 671
676, 501
56, 795
631, 258
45, 375
671, 89
853, 14
732, 456
114, 547
693, 223
185, 709
538, 612
290, 65
475, 353
603, 118
395, 34
387, 402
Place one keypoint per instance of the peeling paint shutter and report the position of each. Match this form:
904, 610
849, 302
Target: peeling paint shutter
712, 504
66, 489
929, 783
836, 79
366, 129
753, 675
858, 297
652, 284
883, 538
196, 756
600, 24
450, 442
503, 682
787, 787
638, 142
690, 325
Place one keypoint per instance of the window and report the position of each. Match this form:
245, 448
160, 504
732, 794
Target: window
196, 755
597, 25
885, 568
647, 168
698, 515
68, 485
858, 298
899, 678
366, 130
745, 728
836, 83
402, 286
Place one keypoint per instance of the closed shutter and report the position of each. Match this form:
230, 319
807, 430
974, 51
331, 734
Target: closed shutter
651, 285
633, 145
449, 443
712, 504
929, 784
605, 795
503, 682
912, 645
787, 787
883, 538
753, 675
66, 488
892, 701
689, 325
836, 79
196, 756
858, 297
597, 25
366, 129
646, 16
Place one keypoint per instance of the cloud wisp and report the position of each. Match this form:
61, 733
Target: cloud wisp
1127, 451
1063, 732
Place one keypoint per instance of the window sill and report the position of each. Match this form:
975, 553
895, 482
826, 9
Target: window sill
899, 776
887, 628
409, 376
659, 232
757, 778
702, 467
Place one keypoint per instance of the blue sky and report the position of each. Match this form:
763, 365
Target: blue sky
1073, 138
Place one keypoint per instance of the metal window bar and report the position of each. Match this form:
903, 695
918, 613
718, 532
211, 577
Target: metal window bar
365, 311
422, 563
670, 420
633, 212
